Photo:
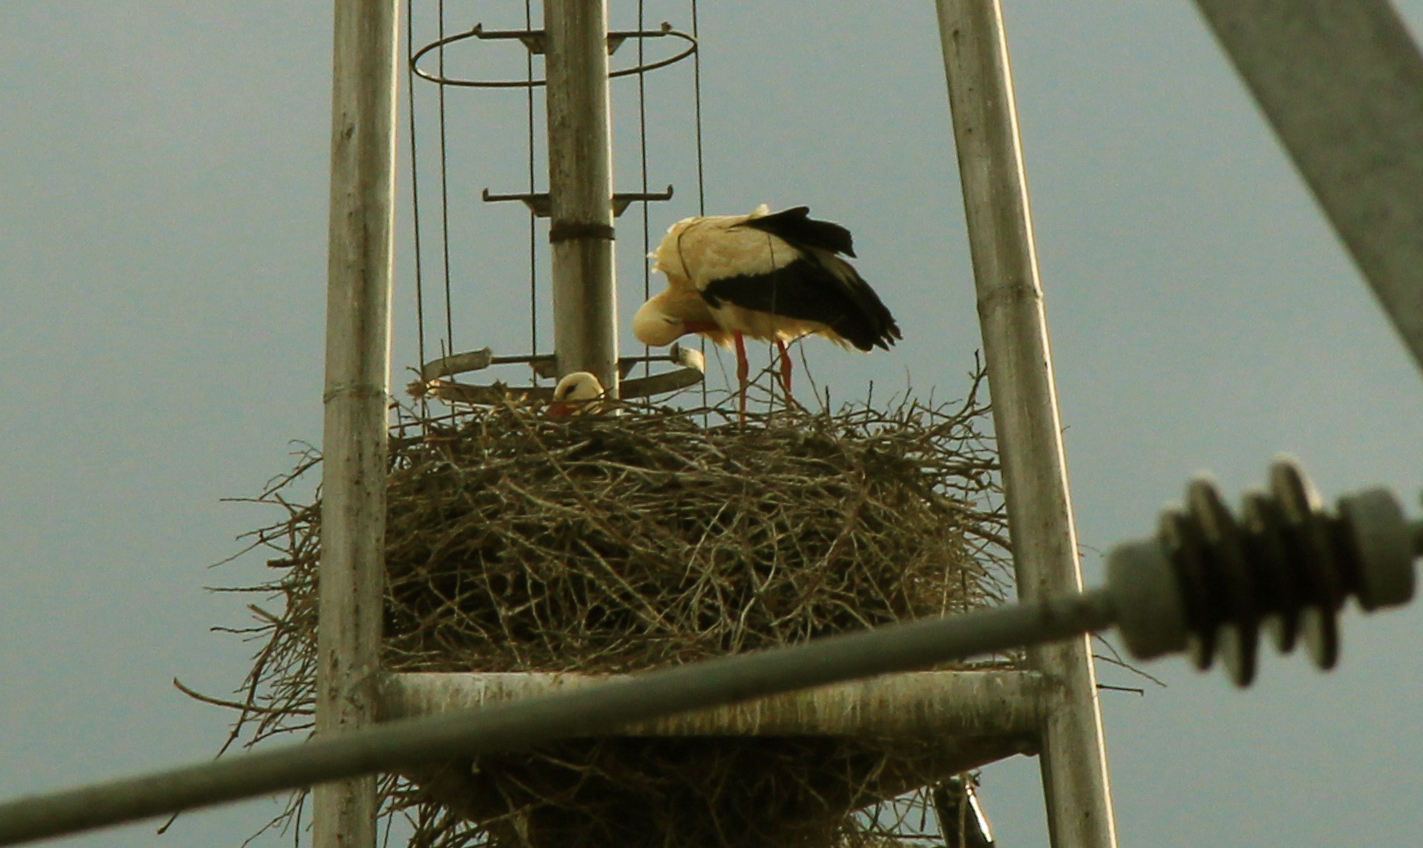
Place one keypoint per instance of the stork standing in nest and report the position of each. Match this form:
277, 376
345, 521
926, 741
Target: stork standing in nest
771, 277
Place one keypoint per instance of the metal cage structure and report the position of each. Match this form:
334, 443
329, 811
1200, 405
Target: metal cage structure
580, 234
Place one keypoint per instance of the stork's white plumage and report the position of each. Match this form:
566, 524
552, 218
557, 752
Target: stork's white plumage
576, 393
773, 277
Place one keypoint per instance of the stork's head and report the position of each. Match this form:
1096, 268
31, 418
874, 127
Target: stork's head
654, 326
672, 314
574, 393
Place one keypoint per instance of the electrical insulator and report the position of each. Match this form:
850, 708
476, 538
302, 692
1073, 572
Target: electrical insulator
1210, 581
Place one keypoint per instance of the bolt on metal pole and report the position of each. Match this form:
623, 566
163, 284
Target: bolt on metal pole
580, 187
1341, 82
1025, 415
358, 337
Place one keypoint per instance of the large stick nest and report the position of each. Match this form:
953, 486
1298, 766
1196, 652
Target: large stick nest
601, 543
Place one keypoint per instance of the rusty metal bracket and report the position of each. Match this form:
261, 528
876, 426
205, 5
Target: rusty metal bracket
538, 202
622, 200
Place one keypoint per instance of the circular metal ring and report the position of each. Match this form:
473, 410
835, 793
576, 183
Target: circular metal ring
477, 31
1322, 594
689, 370
1264, 525
1180, 539
1238, 632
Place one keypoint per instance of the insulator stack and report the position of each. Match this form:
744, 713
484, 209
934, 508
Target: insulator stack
1210, 581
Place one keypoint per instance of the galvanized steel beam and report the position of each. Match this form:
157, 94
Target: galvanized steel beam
917, 704
359, 279
1025, 416
580, 181
1341, 82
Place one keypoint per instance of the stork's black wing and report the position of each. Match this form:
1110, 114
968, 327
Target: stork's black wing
808, 290
797, 228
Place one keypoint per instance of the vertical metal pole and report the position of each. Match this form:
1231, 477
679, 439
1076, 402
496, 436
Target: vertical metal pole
580, 186
1015, 343
359, 272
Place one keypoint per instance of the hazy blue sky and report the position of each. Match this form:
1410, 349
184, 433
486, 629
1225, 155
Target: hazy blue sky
162, 280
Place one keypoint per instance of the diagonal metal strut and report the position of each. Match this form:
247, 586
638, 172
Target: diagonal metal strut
1341, 82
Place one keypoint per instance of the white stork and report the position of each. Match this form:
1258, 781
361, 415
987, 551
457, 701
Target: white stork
773, 277
576, 393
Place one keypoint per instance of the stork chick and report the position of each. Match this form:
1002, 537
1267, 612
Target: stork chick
575, 394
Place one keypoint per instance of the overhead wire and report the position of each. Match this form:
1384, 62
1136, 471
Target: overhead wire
642, 138
701, 170
448, 345
415, 193
697, 90
533, 219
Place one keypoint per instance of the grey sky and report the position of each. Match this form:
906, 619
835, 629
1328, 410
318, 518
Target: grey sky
162, 262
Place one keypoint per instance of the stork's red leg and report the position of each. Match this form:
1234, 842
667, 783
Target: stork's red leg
785, 370
743, 370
